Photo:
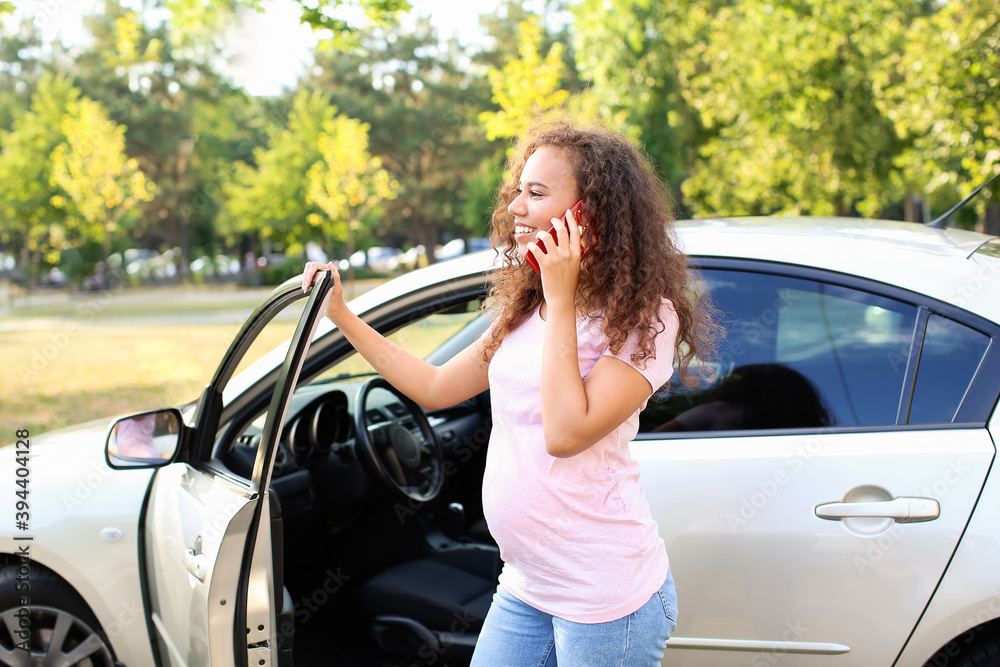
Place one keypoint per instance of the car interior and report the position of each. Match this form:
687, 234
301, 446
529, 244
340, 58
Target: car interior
381, 551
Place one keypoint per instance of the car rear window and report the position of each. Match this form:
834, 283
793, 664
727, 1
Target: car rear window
949, 358
798, 353
990, 249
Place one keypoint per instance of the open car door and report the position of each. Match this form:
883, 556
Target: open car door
211, 590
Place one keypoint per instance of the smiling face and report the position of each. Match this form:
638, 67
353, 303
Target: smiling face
546, 189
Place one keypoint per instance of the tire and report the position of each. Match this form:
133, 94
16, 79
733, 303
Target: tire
62, 629
982, 653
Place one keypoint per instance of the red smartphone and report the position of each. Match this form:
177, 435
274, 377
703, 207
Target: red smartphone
576, 209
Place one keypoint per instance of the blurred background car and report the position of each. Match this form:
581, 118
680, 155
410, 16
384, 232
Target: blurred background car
382, 259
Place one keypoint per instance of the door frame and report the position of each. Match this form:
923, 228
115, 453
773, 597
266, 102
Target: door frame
196, 451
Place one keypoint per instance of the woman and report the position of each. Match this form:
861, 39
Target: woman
573, 353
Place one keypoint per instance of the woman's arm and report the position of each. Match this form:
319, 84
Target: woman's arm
577, 413
432, 387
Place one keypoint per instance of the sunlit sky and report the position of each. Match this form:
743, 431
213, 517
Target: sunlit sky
267, 51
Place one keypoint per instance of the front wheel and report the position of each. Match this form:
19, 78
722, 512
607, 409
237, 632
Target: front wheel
53, 627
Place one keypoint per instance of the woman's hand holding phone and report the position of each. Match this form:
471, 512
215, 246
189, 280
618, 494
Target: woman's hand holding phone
576, 213
559, 264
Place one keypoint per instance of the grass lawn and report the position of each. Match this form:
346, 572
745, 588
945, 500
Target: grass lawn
75, 359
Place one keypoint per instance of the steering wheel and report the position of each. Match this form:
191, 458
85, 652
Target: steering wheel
405, 458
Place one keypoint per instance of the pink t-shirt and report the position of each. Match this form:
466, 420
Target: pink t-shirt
575, 534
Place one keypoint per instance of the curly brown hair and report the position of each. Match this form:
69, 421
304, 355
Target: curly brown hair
633, 261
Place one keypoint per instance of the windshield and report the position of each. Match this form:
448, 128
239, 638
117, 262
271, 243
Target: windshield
421, 338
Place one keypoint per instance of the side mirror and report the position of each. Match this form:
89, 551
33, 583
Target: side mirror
145, 440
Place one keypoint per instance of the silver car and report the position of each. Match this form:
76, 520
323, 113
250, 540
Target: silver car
825, 493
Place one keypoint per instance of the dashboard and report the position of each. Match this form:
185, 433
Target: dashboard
316, 463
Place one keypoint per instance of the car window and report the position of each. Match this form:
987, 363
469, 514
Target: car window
274, 333
420, 338
431, 335
798, 353
989, 249
949, 358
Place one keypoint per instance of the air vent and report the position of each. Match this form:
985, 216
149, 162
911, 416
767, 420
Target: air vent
375, 417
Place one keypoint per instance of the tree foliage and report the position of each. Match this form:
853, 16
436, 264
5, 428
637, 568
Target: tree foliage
527, 87
347, 182
942, 94
197, 22
20, 67
628, 51
268, 195
789, 97
30, 219
101, 183
421, 105
745, 106
184, 122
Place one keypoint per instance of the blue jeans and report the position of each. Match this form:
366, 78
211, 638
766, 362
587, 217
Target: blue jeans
518, 635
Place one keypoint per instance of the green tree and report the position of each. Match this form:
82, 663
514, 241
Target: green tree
185, 123
789, 99
267, 195
102, 184
29, 220
347, 182
20, 67
421, 99
196, 22
503, 25
527, 87
942, 93
627, 50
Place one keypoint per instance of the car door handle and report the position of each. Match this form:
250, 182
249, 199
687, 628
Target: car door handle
196, 564
902, 510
